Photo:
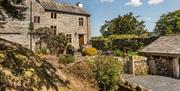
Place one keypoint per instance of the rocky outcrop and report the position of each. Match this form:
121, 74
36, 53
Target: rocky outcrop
127, 86
22, 70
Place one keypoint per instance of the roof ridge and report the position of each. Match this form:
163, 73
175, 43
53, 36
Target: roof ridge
164, 45
62, 7
46, 0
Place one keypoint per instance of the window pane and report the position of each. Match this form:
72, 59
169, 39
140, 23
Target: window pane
69, 38
54, 29
51, 15
36, 19
81, 21
54, 32
55, 15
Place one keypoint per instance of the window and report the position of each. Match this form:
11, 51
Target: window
69, 38
81, 21
36, 19
54, 29
53, 15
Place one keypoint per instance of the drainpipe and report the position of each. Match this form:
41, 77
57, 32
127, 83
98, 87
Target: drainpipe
31, 26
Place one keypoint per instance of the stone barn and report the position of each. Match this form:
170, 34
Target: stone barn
164, 56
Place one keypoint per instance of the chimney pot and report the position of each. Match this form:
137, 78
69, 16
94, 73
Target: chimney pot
79, 4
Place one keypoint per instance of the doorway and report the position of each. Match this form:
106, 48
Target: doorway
81, 40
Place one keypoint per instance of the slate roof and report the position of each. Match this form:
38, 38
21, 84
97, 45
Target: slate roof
164, 45
52, 5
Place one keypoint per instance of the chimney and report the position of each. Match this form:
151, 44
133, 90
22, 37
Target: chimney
79, 4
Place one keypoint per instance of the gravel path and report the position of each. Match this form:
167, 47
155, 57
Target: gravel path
155, 83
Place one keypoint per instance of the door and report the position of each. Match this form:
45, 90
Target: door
81, 40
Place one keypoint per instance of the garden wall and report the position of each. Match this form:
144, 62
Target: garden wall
133, 44
136, 65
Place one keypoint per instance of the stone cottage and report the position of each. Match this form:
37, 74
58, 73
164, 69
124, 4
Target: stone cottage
164, 56
73, 20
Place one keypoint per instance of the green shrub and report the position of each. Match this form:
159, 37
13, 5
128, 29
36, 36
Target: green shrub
66, 59
70, 49
131, 53
2, 56
123, 36
107, 72
42, 51
100, 44
90, 51
118, 53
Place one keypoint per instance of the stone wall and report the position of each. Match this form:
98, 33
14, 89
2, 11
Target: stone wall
136, 65
23, 39
132, 44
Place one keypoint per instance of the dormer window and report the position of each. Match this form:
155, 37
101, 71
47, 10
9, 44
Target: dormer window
53, 15
81, 21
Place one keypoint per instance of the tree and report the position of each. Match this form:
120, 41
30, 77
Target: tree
127, 24
168, 23
56, 44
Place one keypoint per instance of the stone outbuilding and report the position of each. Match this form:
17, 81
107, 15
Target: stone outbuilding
164, 56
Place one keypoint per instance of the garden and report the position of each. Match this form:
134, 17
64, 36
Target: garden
103, 63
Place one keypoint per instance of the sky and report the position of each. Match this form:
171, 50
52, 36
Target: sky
103, 10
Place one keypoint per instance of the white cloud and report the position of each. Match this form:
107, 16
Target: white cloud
155, 2
147, 18
107, 1
134, 3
